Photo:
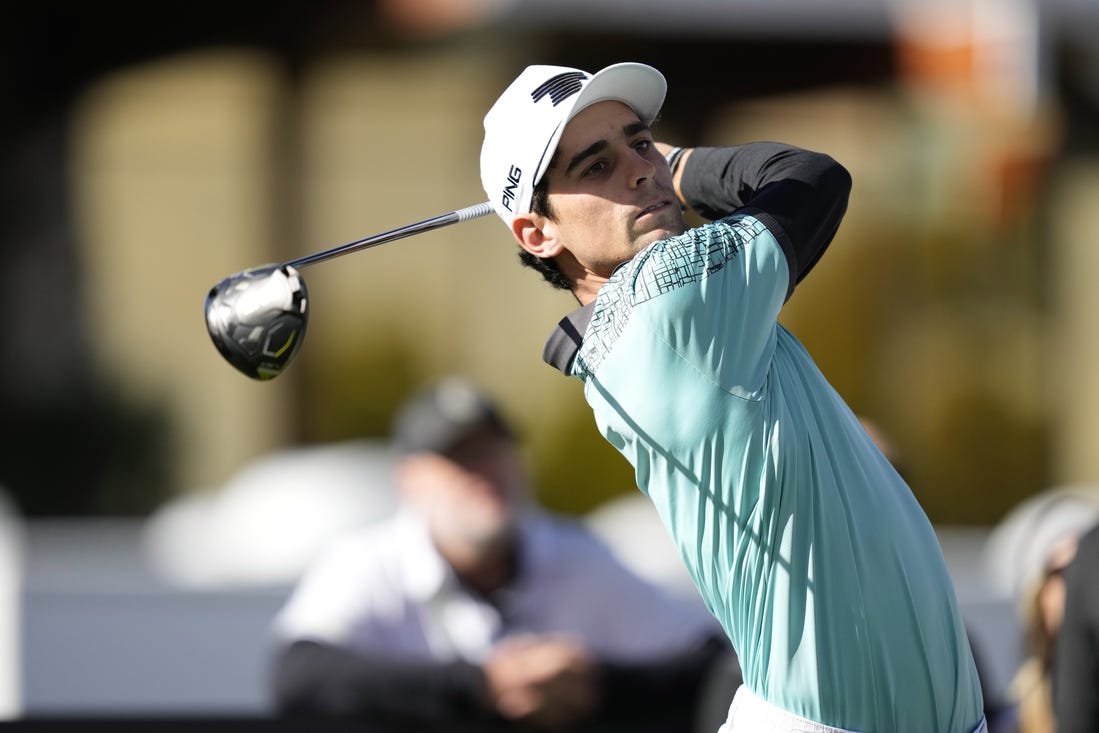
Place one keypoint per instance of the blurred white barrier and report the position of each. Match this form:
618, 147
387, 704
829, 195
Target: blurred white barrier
270, 519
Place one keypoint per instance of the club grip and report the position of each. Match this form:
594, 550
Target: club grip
472, 212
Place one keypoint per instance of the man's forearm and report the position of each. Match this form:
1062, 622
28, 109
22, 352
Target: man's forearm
801, 195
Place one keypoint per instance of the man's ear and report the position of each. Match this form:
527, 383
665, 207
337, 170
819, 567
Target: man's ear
536, 235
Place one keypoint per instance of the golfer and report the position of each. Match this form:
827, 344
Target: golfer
803, 540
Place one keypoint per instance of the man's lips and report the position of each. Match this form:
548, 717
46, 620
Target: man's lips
652, 208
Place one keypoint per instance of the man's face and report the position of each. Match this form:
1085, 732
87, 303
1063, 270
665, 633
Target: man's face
610, 190
471, 496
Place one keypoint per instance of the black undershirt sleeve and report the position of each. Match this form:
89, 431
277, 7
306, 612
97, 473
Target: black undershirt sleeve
801, 196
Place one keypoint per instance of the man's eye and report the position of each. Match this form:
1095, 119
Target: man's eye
595, 168
643, 145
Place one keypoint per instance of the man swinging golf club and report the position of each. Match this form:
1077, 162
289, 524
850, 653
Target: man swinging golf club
803, 540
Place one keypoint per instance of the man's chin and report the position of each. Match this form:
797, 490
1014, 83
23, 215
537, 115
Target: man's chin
670, 221
665, 227
491, 530
657, 235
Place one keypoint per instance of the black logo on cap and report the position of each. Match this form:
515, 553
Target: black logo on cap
515, 174
560, 87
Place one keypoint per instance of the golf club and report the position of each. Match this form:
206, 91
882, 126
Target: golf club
257, 317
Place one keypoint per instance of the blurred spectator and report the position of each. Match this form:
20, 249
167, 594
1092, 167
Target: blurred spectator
471, 606
1076, 657
1045, 531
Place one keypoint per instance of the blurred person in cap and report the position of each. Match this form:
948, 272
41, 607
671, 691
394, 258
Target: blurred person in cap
472, 605
1076, 657
803, 540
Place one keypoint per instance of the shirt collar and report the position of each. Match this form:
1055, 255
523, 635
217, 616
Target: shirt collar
429, 576
563, 343
426, 571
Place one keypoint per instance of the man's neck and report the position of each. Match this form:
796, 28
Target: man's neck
586, 287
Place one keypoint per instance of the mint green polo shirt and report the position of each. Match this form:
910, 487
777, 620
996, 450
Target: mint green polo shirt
804, 542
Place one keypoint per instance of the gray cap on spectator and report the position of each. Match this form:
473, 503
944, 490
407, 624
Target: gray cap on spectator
438, 418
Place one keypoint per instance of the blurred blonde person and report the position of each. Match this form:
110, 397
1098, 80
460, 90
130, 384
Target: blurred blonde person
1042, 611
1047, 531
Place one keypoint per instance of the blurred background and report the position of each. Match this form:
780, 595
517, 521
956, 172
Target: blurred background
157, 504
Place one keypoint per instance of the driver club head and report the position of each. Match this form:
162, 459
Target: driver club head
257, 318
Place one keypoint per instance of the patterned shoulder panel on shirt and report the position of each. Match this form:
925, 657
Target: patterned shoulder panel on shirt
660, 268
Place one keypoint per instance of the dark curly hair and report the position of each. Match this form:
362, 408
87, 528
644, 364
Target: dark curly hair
539, 204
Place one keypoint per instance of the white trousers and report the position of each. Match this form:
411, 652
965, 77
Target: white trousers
752, 714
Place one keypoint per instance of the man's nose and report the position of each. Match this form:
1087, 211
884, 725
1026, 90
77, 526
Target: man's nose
642, 168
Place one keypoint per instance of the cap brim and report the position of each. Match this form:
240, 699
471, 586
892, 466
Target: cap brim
639, 86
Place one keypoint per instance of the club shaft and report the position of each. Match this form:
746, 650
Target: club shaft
435, 222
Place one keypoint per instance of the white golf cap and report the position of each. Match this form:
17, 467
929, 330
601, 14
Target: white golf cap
524, 126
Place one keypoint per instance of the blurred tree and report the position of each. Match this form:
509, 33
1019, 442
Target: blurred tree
68, 443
